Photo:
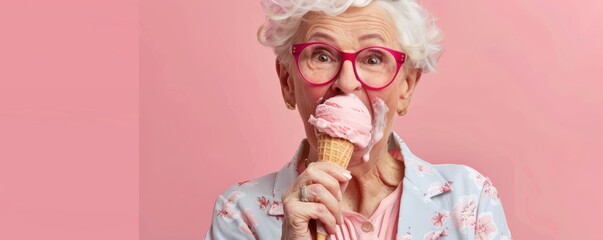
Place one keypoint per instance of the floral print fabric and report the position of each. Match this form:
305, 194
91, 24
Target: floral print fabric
439, 201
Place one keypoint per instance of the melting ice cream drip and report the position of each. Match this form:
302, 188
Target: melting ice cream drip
379, 113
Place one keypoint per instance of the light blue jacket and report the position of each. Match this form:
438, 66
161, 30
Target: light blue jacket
439, 201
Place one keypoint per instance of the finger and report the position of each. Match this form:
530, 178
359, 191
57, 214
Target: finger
320, 212
336, 171
320, 176
319, 194
298, 216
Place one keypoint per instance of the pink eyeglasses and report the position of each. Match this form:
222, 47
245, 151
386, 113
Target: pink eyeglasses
320, 63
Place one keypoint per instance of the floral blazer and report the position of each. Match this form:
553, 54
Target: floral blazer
439, 201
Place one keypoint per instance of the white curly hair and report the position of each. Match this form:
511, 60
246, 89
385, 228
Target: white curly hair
419, 36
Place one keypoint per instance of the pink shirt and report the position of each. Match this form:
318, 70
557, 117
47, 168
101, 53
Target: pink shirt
381, 225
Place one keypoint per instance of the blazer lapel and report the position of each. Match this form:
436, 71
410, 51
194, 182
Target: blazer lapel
425, 206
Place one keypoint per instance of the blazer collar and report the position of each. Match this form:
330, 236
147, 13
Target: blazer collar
417, 171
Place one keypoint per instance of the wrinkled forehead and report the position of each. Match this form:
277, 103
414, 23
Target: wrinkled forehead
356, 27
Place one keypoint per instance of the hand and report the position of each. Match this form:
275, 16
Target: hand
322, 185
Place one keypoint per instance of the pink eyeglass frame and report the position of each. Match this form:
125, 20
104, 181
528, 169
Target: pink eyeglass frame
296, 50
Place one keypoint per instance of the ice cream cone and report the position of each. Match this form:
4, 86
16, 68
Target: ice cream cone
334, 149
343, 122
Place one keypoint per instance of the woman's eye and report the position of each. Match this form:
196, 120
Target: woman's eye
321, 57
373, 60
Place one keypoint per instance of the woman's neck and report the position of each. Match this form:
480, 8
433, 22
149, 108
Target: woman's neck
371, 183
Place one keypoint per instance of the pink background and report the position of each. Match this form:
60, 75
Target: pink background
69, 119
516, 96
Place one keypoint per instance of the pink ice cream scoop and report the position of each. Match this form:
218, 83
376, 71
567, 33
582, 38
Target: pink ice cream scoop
344, 116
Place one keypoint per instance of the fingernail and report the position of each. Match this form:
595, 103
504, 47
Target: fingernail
340, 196
346, 174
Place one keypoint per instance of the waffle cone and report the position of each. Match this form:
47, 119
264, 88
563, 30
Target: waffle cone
335, 150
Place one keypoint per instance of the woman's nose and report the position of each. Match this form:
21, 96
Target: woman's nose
346, 82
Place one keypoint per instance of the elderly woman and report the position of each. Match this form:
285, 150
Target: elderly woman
376, 52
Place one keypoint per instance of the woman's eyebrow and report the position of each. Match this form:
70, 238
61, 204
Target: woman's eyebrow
366, 37
372, 36
322, 35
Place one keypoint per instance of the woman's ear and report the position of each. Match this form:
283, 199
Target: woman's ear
287, 87
407, 89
